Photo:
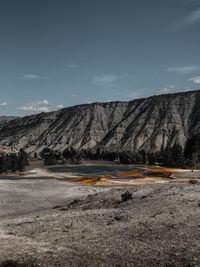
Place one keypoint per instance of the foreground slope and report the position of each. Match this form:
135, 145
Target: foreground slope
149, 123
158, 227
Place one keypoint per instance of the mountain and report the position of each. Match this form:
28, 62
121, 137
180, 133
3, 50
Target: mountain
148, 123
6, 118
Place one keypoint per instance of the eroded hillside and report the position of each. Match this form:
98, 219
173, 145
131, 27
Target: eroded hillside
149, 123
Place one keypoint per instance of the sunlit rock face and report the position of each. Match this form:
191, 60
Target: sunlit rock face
149, 123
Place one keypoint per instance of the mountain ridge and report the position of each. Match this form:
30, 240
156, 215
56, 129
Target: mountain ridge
7, 118
147, 123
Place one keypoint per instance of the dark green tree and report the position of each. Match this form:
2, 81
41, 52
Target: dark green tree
3, 163
22, 160
13, 162
192, 146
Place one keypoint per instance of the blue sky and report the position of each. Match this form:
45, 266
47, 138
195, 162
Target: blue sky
55, 54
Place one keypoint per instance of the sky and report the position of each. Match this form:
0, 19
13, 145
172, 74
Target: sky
55, 54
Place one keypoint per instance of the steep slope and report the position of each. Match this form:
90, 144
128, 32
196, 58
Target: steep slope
149, 123
81, 126
157, 122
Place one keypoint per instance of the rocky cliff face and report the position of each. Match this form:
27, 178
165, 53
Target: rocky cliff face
149, 124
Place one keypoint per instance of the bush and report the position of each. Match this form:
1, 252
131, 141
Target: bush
126, 196
193, 181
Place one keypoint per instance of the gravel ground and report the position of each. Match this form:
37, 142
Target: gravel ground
53, 223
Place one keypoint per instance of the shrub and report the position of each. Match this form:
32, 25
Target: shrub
193, 181
126, 196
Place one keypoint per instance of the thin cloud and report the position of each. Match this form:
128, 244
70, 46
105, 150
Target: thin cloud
38, 106
4, 104
190, 19
105, 79
72, 66
44, 102
184, 70
32, 77
193, 18
165, 90
60, 106
27, 107
195, 80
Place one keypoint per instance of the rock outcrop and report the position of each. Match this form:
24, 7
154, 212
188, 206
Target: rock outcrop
149, 123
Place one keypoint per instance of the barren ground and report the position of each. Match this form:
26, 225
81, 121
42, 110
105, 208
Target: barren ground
55, 223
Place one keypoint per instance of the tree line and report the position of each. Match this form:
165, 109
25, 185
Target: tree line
170, 156
14, 161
